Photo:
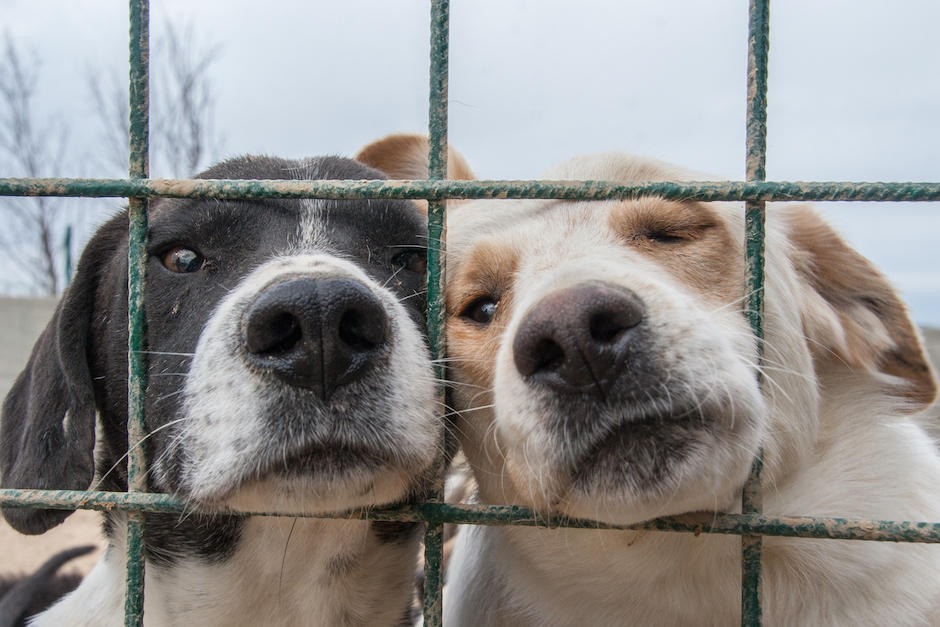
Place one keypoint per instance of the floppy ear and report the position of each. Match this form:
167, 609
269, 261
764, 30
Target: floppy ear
47, 429
851, 313
405, 156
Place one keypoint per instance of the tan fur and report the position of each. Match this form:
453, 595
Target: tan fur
404, 156
701, 260
477, 344
873, 329
843, 368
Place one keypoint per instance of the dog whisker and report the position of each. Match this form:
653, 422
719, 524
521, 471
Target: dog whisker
135, 447
280, 580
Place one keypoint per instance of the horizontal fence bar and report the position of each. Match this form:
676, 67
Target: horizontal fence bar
734, 524
441, 190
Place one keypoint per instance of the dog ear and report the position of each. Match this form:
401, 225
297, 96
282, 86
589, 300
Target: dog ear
47, 429
405, 156
851, 313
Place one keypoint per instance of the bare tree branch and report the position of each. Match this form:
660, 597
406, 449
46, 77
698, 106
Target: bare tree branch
183, 134
184, 131
112, 110
30, 150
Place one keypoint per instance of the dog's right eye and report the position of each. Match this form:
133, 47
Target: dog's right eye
482, 310
182, 260
665, 237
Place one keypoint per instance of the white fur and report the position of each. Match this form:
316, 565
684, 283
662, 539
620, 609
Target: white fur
280, 576
836, 443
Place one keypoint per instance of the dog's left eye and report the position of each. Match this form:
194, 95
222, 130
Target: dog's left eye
482, 310
183, 260
412, 260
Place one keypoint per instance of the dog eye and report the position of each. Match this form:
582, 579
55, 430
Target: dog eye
183, 260
482, 310
412, 260
665, 237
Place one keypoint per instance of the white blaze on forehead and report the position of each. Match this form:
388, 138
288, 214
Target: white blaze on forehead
311, 233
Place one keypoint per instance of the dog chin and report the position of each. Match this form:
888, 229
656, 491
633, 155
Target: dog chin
625, 507
306, 494
603, 488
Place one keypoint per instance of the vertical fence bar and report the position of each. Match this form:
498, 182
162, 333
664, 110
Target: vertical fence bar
751, 500
136, 341
437, 127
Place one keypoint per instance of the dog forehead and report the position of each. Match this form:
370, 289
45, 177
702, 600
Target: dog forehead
530, 243
374, 219
536, 233
521, 224
287, 224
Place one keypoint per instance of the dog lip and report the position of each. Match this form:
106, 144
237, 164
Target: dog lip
557, 384
316, 462
322, 459
642, 444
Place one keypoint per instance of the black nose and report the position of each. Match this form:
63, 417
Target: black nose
576, 339
316, 334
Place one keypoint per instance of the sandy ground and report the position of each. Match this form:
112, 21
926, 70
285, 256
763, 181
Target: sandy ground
18, 553
21, 554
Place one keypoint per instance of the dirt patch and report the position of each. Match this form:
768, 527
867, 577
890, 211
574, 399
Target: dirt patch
24, 554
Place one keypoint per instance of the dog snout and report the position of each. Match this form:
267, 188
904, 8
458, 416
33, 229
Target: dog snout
316, 334
576, 339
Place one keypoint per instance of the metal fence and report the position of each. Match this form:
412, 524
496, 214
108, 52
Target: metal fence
751, 524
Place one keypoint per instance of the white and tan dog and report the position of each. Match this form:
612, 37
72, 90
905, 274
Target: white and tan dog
604, 369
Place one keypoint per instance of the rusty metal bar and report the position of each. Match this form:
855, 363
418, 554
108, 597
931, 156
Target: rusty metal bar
437, 170
514, 515
755, 216
706, 191
138, 167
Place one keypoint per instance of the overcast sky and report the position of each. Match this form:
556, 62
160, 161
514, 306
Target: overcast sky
853, 93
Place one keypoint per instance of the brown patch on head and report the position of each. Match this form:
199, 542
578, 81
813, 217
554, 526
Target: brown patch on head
405, 156
852, 314
487, 273
689, 239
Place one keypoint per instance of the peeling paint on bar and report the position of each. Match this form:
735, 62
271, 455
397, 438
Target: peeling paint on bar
514, 515
138, 167
755, 217
439, 190
437, 169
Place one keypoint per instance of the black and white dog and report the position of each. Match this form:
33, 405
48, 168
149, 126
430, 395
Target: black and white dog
287, 371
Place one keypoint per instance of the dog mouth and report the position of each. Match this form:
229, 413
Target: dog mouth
306, 473
326, 461
639, 451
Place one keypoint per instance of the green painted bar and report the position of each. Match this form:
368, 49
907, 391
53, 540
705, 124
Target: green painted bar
440, 190
758, 46
514, 515
437, 166
751, 525
755, 216
138, 167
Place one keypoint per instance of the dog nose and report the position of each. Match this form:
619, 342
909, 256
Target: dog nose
316, 334
576, 339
